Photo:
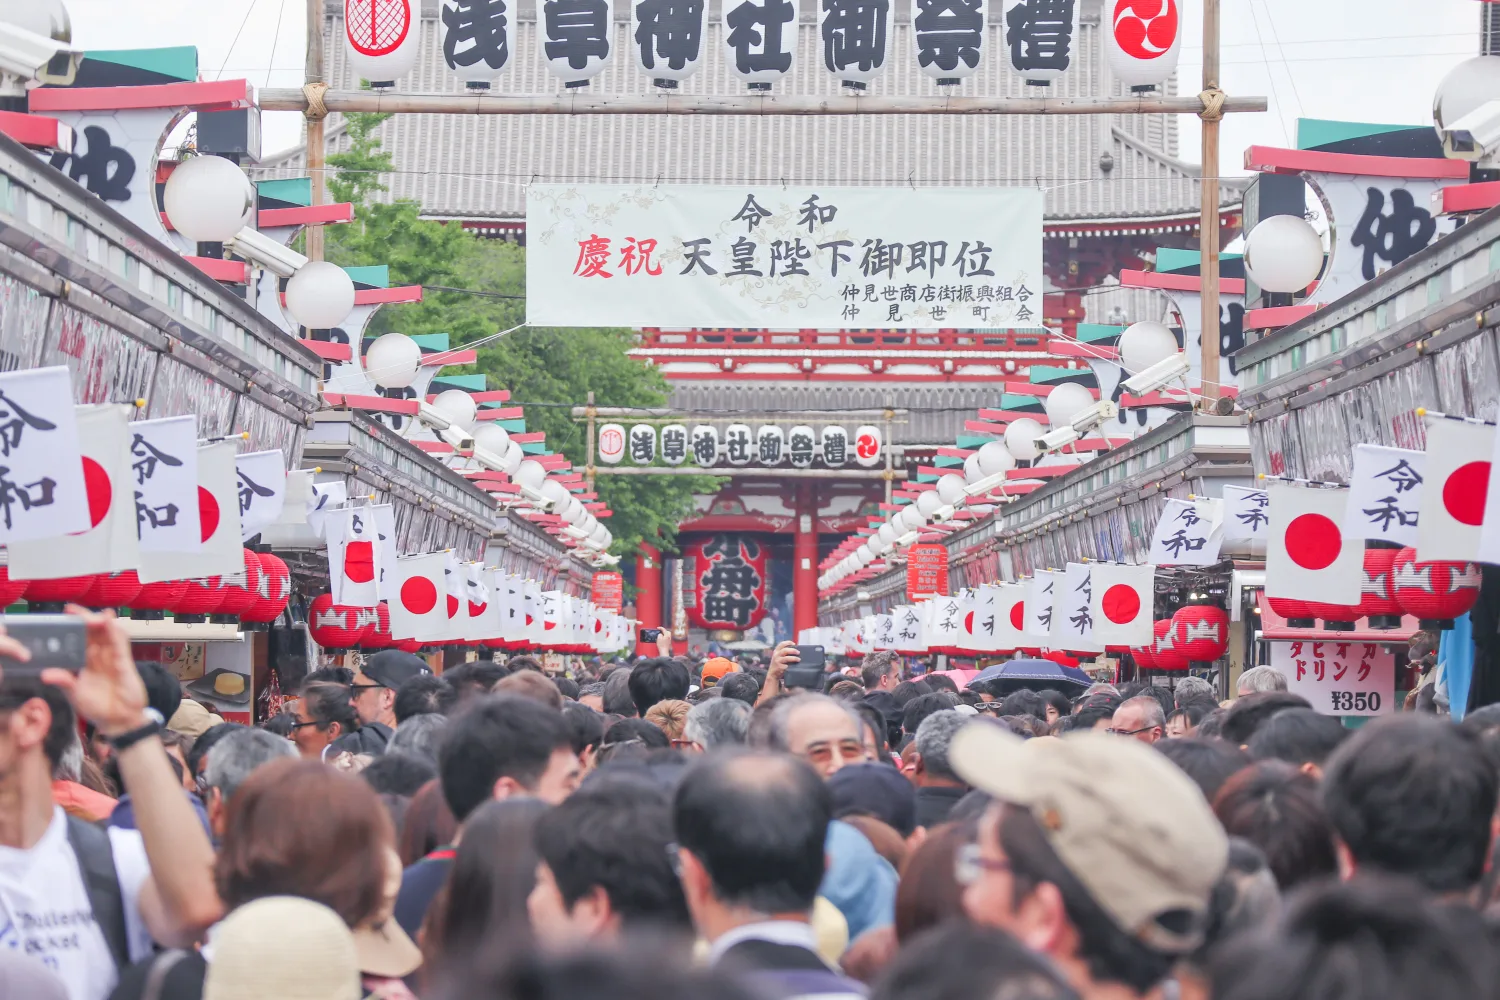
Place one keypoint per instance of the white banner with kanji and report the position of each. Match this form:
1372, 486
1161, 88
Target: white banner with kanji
769, 255
1339, 677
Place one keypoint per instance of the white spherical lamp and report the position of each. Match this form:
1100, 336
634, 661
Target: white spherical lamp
1066, 401
1283, 253
950, 489
1468, 86
555, 492
459, 407
514, 456
571, 511
320, 295
912, 518
995, 458
982, 508
492, 438
972, 472
392, 362
887, 534
864, 556
929, 503
878, 545
208, 199
531, 475
1145, 344
1020, 438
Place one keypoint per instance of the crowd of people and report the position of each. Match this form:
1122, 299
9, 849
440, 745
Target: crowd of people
670, 829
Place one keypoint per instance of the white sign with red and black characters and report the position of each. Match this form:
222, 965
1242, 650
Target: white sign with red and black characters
164, 458
1186, 535
756, 257
1246, 513
220, 551
1385, 491
110, 545
611, 444
1339, 677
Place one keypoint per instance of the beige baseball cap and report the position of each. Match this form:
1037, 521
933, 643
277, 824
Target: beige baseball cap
1133, 829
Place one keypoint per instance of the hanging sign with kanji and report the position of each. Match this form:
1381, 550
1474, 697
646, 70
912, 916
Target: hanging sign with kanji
1339, 678
926, 571
853, 37
776, 256
948, 36
1041, 38
729, 582
609, 591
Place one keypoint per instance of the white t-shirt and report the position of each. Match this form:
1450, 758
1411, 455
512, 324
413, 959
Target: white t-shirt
45, 912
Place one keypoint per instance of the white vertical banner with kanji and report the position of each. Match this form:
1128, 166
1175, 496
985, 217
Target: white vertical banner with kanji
220, 550
1186, 535
262, 480
164, 457
1074, 610
1339, 677
42, 488
1385, 491
1041, 604
680, 256
1246, 514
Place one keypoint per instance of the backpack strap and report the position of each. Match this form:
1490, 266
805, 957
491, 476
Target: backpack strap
156, 977
96, 863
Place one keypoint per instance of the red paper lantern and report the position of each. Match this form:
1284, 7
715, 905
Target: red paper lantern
1298, 614
334, 626
1336, 617
379, 636
11, 591
157, 597
1378, 599
114, 590
1144, 659
202, 597
273, 592
239, 598
64, 590
1202, 631
409, 645
1435, 592
1060, 658
1166, 650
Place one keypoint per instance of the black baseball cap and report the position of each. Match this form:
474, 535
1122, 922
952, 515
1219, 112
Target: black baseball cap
392, 668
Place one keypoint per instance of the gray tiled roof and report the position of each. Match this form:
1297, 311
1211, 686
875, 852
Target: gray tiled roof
476, 167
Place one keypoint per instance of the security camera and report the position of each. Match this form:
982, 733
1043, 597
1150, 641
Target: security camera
460, 439
1095, 415
488, 459
432, 416
1161, 374
1060, 438
1475, 136
258, 247
36, 57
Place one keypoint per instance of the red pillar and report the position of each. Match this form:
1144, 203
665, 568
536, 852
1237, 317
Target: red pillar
648, 593
805, 560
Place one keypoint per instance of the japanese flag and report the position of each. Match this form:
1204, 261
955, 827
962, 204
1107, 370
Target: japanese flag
110, 544
455, 603
1455, 488
1307, 556
1010, 616
353, 557
262, 490
1040, 604
221, 551
417, 610
971, 632
484, 610
1123, 598
531, 605
324, 498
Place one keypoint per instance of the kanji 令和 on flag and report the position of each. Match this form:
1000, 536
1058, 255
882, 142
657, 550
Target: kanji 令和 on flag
220, 550
1307, 556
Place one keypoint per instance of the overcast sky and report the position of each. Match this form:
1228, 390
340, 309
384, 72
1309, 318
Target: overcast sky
1383, 61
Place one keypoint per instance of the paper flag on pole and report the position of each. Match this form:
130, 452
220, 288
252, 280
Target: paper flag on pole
1041, 603
1455, 488
1124, 597
1307, 556
262, 490
164, 456
417, 611
221, 551
1385, 492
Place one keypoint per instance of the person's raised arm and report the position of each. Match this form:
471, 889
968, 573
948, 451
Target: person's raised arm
179, 901
784, 656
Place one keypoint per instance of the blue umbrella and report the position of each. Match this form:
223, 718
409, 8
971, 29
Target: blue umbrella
1034, 673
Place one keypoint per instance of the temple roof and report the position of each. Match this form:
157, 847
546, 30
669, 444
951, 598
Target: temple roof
477, 167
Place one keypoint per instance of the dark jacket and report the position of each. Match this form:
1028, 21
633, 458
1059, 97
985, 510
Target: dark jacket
935, 802
371, 739
786, 971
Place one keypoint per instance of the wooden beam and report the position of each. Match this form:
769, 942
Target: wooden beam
289, 99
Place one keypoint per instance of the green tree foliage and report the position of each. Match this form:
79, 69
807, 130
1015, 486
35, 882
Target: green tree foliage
548, 370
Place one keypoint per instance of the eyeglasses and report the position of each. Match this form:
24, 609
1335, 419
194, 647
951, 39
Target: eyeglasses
365, 687
969, 865
1130, 732
303, 725
822, 753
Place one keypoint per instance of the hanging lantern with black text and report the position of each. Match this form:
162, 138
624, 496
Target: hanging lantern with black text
643, 444
770, 445
729, 582
674, 444
738, 444
801, 446
668, 38
948, 38
855, 36
576, 38
477, 39
1041, 38
706, 445
760, 37
835, 447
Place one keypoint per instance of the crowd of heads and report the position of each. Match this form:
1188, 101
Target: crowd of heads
682, 828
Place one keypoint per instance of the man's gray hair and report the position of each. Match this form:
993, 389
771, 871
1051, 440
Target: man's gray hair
1190, 688
1258, 679
718, 722
1150, 708
237, 755
1102, 688
616, 697
935, 736
781, 714
419, 735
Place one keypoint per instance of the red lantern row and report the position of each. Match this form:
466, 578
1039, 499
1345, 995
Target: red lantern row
1395, 584
1194, 633
259, 600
